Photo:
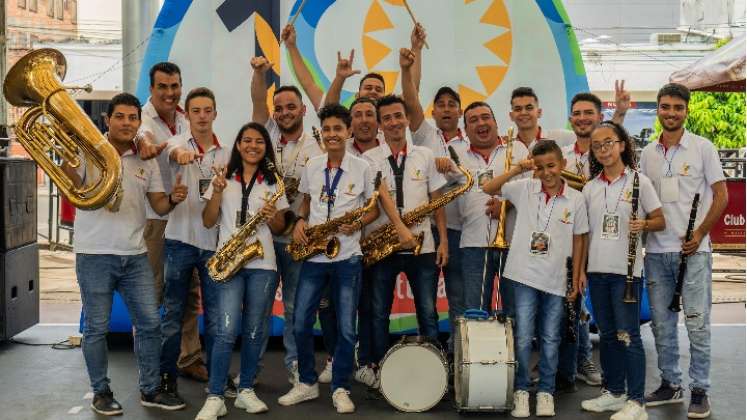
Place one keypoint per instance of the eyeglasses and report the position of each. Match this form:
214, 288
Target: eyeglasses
607, 145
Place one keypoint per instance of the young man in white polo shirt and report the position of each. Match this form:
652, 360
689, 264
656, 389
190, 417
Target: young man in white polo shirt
549, 228
111, 255
681, 164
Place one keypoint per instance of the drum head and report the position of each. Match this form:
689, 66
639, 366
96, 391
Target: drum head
413, 377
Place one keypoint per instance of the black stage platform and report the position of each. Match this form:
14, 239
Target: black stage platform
37, 382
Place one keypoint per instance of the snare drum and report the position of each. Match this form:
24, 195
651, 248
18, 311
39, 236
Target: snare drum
414, 375
484, 364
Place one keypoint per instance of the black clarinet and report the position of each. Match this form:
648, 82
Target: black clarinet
676, 306
572, 307
630, 295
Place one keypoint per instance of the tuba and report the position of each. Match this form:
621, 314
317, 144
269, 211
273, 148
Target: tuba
34, 81
500, 241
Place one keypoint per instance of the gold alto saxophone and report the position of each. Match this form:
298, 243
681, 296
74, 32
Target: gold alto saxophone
500, 241
384, 241
321, 237
237, 251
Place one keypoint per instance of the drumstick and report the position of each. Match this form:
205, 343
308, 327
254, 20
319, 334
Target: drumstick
293, 19
414, 21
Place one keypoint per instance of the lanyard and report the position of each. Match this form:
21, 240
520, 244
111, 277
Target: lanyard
293, 158
245, 191
398, 171
330, 189
549, 217
196, 146
619, 195
669, 161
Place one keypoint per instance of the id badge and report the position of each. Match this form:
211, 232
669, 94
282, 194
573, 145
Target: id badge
484, 176
539, 244
203, 185
670, 189
610, 226
238, 217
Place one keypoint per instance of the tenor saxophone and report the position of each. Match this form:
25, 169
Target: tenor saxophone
384, 241
237, 251
321, 237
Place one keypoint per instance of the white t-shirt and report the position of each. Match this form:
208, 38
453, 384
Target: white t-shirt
608, 245
550, 226
161, 132
420, 179
695, 165
230, 213
577, 162
118, 233
185, 222
354, 188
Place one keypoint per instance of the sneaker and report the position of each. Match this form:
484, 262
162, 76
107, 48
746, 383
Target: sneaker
367, 376
300, 393
231, 389
197, 371
666, 394
564, 386
162, 400
631, 411
521, 404
605, 402
342, 402
589, 373
545, 405
104, 403
214, 407
700, 407
249, 401
168, 385
326, 376
293, 373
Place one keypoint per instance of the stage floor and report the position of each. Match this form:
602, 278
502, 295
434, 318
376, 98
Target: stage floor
38, 382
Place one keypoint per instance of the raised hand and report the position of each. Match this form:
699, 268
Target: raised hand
288, 35
179, 193
406, 58
219, 181
417, 37
345, 66
260, 64
185, 156
622, 97
147, 147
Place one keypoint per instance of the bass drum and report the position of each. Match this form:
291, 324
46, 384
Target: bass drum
414, 375
484, 364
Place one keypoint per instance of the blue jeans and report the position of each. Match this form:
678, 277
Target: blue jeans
453, 279
365, 319
98, 277
181, 260
243, 300
345, 279
479, 268
661, 273
328, 322
620, 346
530, 303
421, 274
576, 353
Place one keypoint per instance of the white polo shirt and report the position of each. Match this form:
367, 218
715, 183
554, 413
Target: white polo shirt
478, 229
230, 213
353, 190
420, 179
608, 250
560, 217
352, 148
292, 157
161, 132
577, 162
560, 136
185, 221
694, 162
118, 233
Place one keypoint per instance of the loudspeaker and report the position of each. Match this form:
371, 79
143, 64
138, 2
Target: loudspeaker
19, 290
17, 203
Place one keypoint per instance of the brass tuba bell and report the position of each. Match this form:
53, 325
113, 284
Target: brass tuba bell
34, 81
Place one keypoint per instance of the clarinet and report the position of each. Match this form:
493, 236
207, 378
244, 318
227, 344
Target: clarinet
675, 306
630, 295
572, 307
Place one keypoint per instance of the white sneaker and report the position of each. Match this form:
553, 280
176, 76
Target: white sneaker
604, 402
521, 404
299, 393
326, 376
214, 407
248, 400
367, 376
631, 411
342, 402
293, 373
545, 405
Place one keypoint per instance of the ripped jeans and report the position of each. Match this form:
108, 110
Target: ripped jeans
242, 300
661, 274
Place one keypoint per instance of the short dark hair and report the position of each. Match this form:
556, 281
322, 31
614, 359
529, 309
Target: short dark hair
376, 76
335, 110
362, 100
387, 100
288, 88
200, 92
164, 67
124, 99
587, 97
474, 105
523, 91
675, 90
445, 90
544, 147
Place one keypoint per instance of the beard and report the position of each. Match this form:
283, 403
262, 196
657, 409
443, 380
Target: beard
292, 127
675, 127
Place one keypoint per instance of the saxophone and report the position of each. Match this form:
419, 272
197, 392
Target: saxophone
321, 237
384, 241
237, 251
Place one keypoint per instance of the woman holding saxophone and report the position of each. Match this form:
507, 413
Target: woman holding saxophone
248, 202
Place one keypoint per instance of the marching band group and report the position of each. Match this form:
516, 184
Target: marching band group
333, 219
